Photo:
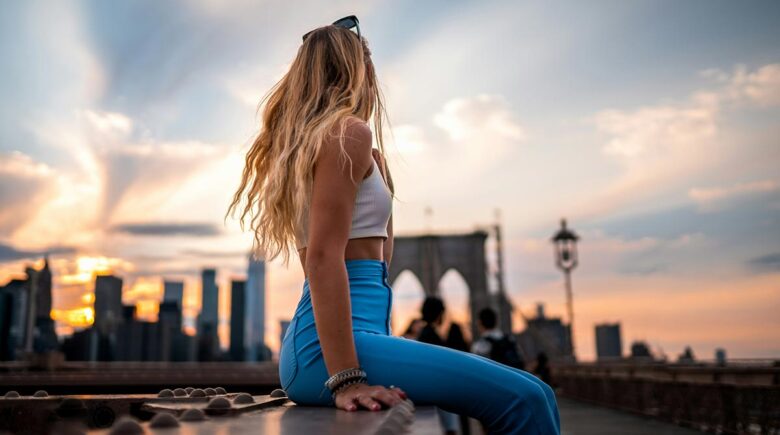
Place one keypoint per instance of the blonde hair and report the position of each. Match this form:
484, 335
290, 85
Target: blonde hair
331, 79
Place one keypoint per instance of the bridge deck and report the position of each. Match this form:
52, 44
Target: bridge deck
579, 418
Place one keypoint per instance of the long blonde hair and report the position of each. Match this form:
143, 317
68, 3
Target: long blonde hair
331, 79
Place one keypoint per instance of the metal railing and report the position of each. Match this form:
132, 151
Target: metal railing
731, 399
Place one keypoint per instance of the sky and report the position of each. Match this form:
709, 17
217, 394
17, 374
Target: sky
652, 126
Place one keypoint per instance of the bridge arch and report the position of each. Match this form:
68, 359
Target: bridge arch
429, 257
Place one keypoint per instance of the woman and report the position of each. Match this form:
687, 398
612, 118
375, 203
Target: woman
313, 179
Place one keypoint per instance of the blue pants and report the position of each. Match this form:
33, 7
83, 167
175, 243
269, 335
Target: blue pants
506, 400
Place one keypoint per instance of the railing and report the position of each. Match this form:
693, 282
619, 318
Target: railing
732, 399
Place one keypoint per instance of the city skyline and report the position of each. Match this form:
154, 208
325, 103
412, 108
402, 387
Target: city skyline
651, 126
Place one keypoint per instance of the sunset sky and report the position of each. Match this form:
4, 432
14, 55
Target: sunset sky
652, 126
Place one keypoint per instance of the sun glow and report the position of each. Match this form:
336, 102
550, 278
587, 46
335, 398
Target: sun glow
77, 317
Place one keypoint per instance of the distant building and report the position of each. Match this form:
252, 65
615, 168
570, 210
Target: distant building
169, 321
687, 356
173, 291
40, 335
209, 303
545, 334
720, 356
609, 345
13, 316
208, 319
238, 322
640, 351
108, 302
254, 338
81, 346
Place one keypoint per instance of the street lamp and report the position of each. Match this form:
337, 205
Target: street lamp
565, 242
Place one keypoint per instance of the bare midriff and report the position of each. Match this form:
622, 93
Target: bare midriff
362, 248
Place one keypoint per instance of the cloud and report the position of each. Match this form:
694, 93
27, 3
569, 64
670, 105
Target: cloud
138, 174
715, 198
211, 254
469, 137
162, 229
10, 253
649, 131
24, 185
660, 147
760, 87
469, 119
765, 263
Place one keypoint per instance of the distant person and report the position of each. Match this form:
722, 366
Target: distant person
494, 344
413, 330
432, 316
455, 339
314, 188
542, 369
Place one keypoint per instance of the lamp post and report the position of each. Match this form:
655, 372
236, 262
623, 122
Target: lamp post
565, 242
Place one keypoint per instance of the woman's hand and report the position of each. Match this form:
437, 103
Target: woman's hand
369, 396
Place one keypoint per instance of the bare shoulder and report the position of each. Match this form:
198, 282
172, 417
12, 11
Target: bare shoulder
358, 130
357, 138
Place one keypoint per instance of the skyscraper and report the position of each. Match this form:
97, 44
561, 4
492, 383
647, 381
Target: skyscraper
169, 327
46, 338
173, 292
255, 310
13, 315
608, 342
108, 315
208, 319
209, 305
237, 320
108, 302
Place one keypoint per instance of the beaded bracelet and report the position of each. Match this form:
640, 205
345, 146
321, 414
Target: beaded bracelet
343, 375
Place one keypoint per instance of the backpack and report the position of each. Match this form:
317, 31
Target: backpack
504, 350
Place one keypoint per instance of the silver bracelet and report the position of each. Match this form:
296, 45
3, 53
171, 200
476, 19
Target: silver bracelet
343, 375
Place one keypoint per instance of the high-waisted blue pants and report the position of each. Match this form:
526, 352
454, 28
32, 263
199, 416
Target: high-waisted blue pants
506, 400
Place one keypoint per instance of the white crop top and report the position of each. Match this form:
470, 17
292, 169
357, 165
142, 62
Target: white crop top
373, 206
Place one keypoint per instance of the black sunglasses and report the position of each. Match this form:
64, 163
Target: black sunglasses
349, 23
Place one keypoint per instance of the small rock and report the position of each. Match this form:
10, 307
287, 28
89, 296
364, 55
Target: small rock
243, 399
179, 392
41, 393
164, 420
198, 393
165, 393
278, 393
193, 414
12, 395
220, 390
126, 426
210, 392
218, 405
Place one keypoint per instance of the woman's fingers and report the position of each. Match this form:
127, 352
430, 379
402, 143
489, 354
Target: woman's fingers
401, 393
386, 396
368, 402
369, 397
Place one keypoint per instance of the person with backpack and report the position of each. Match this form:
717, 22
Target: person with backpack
494, 344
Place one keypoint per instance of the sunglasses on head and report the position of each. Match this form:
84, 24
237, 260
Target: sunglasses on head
349, 23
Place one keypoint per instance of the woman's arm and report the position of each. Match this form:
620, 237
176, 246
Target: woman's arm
334, 191
332, 202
